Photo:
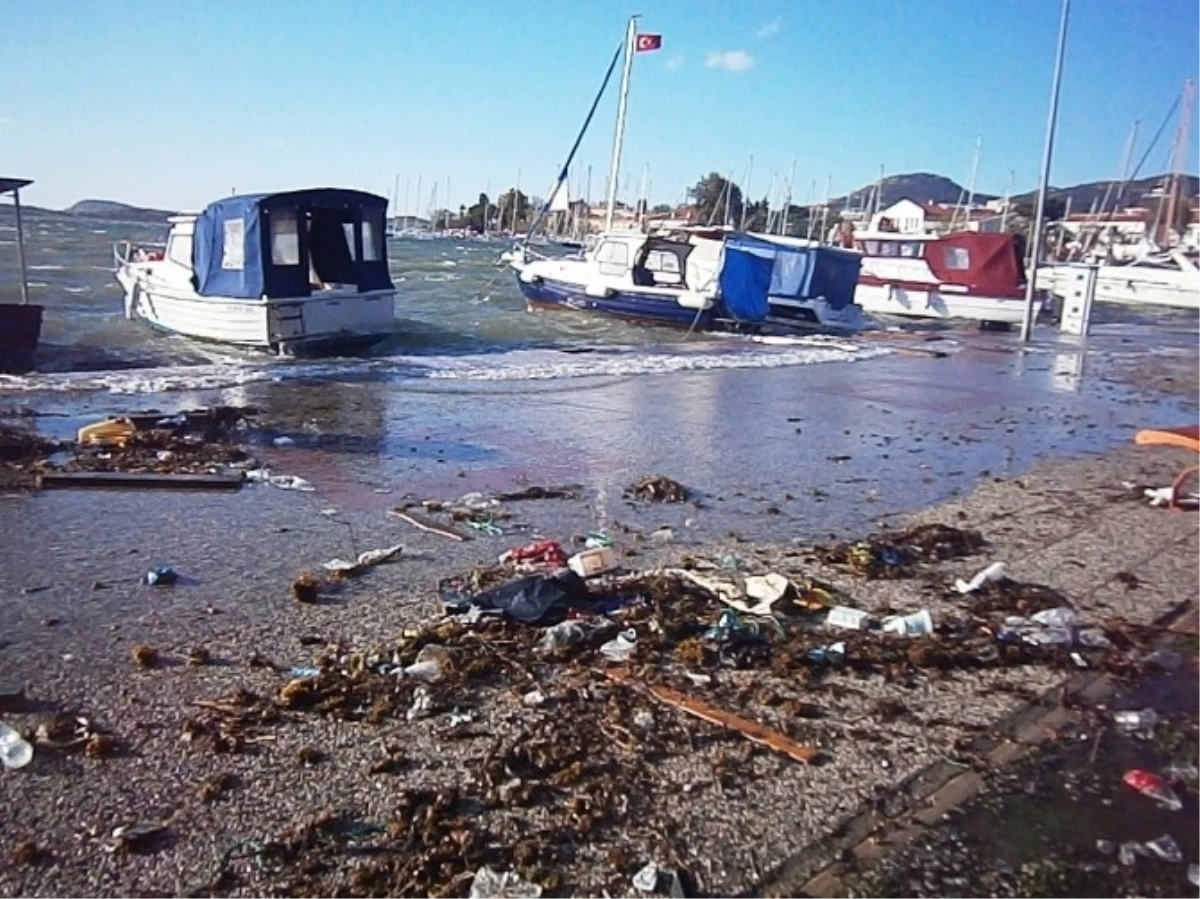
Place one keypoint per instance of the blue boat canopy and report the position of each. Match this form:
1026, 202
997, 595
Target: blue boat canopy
290, 244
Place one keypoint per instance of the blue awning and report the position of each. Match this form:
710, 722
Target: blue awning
277, 245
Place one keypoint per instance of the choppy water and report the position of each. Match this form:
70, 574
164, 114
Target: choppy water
459, 316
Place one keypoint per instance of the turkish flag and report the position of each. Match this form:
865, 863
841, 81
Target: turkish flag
646, 42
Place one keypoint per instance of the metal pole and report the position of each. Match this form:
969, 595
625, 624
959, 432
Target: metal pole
746, 193
614, 169
21, 248
1036, 252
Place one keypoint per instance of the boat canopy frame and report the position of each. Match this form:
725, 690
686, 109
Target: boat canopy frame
289, 244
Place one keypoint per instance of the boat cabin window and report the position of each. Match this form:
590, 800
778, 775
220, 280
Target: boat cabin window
285, 239
910, 249
179, 249
660, 264
233, 248
958, 258
612, 258
870, 247
331, 256
372, 235
348, 230
889, 248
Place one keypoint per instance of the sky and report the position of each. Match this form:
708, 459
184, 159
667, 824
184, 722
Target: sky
174, 105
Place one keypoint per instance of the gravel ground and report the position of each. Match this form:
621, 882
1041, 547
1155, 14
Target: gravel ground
704, 801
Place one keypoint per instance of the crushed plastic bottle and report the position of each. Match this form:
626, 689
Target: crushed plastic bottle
994, 572
1149, 784
15, 750
1131, 720
1166, 848
490, 883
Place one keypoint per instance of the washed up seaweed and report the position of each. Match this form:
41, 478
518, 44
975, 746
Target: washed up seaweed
885, 555
657, 489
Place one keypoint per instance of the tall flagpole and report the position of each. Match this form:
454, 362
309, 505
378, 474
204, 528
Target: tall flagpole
614, 169
1036, 251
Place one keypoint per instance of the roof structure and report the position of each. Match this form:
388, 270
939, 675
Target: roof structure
8, 185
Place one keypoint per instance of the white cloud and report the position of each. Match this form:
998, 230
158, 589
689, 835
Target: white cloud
675, 61
5, 120
730, 61
771, 29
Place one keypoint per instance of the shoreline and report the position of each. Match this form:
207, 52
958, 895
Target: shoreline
1061, 511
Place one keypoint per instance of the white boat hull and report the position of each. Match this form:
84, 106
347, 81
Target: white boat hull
327, 320
932, 302
1132, 285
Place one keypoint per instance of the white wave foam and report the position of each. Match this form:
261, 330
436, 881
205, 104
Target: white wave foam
540, 365
520, 365
46, 268
76, 289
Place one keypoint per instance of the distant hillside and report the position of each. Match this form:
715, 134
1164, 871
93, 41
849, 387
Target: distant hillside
119, 212
921, 187
1082, 196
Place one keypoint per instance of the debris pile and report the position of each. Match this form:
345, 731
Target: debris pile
656, 488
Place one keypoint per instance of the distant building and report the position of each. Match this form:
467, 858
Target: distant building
1129, 225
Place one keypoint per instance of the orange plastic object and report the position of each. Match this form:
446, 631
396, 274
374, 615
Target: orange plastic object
1186, 437
113, 432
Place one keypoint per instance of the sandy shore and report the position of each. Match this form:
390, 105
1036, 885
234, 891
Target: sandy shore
960, 437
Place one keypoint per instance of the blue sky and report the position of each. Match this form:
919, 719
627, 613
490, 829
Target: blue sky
172, 105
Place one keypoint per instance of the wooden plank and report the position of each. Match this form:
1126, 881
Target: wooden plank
427, 524
747, 727
139, 480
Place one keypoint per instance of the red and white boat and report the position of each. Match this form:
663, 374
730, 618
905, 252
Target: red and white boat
966, 275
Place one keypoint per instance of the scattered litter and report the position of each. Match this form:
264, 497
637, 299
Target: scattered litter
282, 481
283, 441
426, 524
1194, 874
15, 750
574, 631
162, 576
1166, 848
846, 617
422, 704
918, 624
1105, 847
594, 561
303, 671
751, 730
489, 884
1127, 853
366, 559
1164, 496
657, 489
765, 589
993, 573
1143, 720
486, 526
622, 647
662, 535
646, 880
457, 718
597, 539
111, 432
138, 838
1149, 784
833, 654
544, 554
534, 698
432, 664
529, 599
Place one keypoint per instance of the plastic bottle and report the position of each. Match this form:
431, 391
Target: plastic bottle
1149, 784
15, 751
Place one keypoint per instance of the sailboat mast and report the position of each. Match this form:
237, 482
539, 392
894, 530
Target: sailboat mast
395, 199
448, 219
974, 172
1007, 192
516, 201
419, 179
746, 192
642, 199
614, 169
1177, 161
787, 206
407, 182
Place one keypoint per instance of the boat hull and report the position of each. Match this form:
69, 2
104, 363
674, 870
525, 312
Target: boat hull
1130, 285
20, 330
326, 322
916, 301
631, 305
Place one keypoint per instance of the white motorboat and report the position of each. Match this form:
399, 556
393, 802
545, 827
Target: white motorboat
966, 275
298, 272
1169, 279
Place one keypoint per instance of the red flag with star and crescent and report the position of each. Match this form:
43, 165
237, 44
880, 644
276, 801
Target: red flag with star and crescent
647, 42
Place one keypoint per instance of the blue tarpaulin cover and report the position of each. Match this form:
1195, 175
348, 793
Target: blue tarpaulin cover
745, 279
232, 246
